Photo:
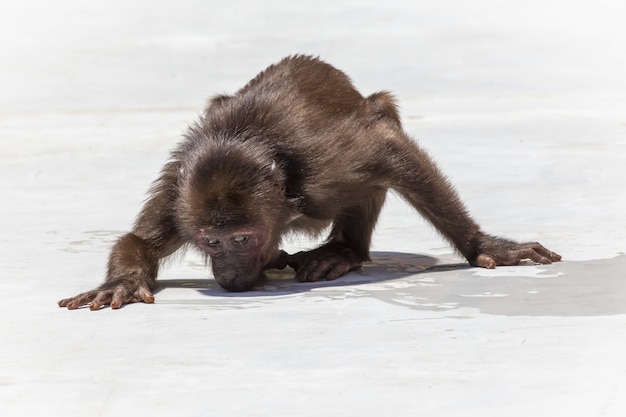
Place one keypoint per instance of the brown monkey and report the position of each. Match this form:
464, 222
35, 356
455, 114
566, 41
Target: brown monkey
295, 150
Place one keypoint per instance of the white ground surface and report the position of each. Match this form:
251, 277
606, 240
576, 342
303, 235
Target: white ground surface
521, 102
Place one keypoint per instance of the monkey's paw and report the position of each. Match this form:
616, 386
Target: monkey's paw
280, 260
493, 251
114, 293
327, 262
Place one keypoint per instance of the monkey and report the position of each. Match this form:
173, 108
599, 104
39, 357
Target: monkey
296, 150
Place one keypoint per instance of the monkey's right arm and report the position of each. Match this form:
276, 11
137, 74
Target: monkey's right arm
134, 260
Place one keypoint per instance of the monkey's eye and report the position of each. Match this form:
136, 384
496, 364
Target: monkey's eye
241, 240
211, 242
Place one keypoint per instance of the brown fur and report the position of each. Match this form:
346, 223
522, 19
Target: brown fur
295, 150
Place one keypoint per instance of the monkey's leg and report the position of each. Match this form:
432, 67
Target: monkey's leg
348, 243
134, 260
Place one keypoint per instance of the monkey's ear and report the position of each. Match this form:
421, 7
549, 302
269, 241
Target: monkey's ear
295, 203
279, 178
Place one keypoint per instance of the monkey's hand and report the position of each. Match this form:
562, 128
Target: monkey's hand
492, 251
327, 262
114, 293
279, 261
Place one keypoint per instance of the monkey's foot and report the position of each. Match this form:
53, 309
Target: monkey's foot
114, 293
326, 262
493, 251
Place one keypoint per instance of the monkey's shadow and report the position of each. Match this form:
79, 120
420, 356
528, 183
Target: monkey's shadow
385, 266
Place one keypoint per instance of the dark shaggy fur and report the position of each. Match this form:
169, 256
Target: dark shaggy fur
296, 149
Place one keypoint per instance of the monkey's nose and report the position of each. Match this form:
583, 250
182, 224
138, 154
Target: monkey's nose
234, 284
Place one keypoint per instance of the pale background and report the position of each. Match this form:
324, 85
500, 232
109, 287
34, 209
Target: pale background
522, 103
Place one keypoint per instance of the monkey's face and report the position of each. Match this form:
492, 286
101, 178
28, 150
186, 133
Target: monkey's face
230, 203
237, 255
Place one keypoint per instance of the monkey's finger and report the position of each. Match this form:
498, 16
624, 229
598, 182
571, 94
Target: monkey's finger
307, 272
339, 269
144, 294
539, 248
117, 300
295, 261
64, 302
78, 301
120, 296
485, 261
525, 248
103, 298
525, 251
279, 261
554, 257
332, 267
324, 269
535, 256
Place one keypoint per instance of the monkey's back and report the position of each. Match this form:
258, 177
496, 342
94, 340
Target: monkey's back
324, 134
301, 77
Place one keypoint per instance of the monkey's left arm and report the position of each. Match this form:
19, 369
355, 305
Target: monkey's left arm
419, 180
490, 251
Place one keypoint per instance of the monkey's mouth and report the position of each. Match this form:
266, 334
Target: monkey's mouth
235, 285
239, 280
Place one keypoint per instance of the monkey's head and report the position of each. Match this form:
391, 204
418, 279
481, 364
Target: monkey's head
232, 206
238, 254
